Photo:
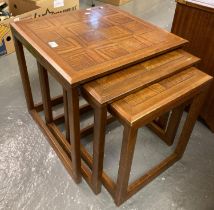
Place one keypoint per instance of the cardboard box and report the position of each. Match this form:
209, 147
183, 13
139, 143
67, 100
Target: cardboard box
24, 9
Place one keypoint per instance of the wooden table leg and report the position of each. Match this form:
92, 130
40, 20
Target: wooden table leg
163, 120
74, 127
168, 133
45, 91
65, 101
126, 157
192, 116
173, 124
100, 118
24, 74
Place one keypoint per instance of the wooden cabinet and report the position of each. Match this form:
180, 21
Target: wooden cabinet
194, 21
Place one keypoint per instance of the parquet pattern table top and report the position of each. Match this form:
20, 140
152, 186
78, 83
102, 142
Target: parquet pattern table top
137, 105
108, 88
89, 43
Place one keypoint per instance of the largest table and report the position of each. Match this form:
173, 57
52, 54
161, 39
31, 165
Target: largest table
77, 47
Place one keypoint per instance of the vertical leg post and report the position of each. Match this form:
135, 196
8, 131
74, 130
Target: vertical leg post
163, 120
74, 127
192, 116
24, 74
45, 91
100, 117
65, 101
126, 157
173, 124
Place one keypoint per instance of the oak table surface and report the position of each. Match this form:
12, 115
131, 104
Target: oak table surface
85, 44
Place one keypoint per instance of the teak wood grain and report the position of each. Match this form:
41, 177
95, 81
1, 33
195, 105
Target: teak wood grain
91, 43
116, 2
111, 87
142, 107
101, 92
207, 5
135, 108
139, 109
196, 23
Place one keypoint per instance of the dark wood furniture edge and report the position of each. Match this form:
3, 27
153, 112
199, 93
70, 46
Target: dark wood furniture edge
202, 6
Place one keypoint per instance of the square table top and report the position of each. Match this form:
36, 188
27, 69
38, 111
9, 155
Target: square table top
86, 44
